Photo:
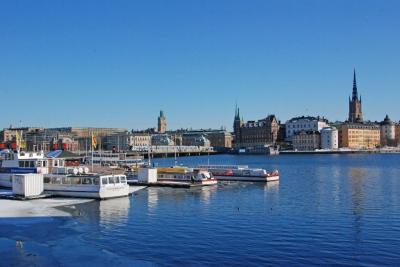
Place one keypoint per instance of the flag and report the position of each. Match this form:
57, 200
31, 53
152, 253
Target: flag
17, 138
94, 141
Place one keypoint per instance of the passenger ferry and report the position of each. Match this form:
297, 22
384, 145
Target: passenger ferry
18, 162
61, 180
86, 185
241, 173
197, 176
113, 159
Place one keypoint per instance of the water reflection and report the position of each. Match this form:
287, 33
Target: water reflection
357, 178
272, 186
152, 199
105, 212
206, 192
112, 210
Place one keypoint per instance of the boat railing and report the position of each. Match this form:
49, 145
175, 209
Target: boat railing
232, 167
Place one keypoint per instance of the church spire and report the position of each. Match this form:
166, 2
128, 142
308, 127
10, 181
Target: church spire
355, 93
237, 113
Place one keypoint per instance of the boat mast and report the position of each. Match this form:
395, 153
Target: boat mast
148, 155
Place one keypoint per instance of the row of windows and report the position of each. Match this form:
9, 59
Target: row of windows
300, 126
85, 180
306, 142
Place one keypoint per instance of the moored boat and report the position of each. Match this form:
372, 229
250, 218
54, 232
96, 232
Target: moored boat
86, 185
185, 175
20, 162
241, 173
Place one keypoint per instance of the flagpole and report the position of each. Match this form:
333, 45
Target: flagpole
92, 152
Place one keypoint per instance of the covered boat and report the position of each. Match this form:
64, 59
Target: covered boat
241, 173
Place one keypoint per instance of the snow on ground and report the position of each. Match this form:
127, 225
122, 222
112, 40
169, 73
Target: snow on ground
37, 207
42, 207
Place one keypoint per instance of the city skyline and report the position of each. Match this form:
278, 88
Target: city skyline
98, 65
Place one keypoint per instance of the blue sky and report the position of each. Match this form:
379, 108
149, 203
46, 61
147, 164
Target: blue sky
117, 63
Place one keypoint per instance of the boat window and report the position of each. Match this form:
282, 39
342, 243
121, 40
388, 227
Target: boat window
86, 181
46, 180
117, 179
38, 163
21, 164
111, 180
75, 180
56, 180
104, 180
44, 163
203, 176
31, 164
96, 181
55, 163
123, 179
65, 180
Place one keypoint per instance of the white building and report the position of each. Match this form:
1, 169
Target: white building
329, 138
298, 124
388, 132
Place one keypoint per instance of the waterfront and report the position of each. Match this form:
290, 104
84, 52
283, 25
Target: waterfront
325, 210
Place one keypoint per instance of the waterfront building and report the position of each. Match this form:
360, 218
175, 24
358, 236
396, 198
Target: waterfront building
140, 139
281, 133
355, 104
388, 132
7, 135
359, 135
306, 141
162, 123
329, 138
161, 140
397, 134
220, 139
195, 139
88, 131
304, 123
116, 142
252, 134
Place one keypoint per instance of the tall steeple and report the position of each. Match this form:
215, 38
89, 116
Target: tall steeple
237, 112
237, 125
355, 93
355, 106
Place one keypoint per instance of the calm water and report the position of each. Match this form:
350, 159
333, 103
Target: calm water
326, 210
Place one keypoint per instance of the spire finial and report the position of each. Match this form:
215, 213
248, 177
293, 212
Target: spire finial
355, 93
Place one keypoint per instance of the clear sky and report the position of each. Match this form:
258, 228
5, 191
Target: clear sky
117, 63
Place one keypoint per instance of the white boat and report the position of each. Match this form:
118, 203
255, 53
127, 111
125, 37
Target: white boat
241, 173
20, 162
185, 175
86, 185
107, 158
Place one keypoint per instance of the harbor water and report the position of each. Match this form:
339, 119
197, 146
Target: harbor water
325, 210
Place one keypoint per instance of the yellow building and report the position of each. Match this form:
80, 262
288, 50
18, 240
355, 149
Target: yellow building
359, 135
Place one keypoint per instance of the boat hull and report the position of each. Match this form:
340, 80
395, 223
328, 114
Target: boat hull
248, 178
87, 192
6, 180
188, 182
